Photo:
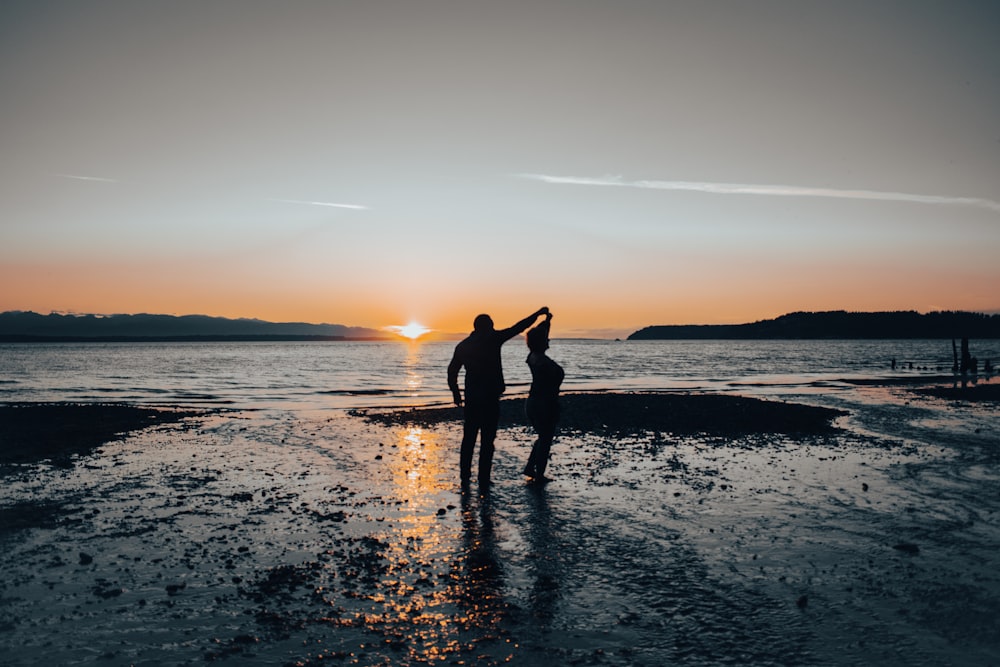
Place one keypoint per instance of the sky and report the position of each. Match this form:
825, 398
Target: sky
624, 163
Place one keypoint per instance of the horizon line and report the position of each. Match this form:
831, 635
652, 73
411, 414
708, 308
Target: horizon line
592, 333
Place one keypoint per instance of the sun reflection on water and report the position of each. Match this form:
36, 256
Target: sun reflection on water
414, 380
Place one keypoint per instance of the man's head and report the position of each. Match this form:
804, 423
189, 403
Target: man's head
483, 323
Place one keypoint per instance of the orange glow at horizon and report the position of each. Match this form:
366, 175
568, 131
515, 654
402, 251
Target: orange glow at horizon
730, 295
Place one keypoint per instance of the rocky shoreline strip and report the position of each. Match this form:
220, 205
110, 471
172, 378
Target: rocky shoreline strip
975, 393
32, 432
644, 412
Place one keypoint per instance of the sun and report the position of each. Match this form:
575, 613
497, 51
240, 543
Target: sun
413, 330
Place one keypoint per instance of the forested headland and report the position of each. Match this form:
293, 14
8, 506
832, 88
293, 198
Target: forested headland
838, 324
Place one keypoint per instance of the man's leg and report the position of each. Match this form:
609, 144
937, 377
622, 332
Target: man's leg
490, 419
469, 432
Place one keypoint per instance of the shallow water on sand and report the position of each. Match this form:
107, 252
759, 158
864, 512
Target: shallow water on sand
304, 538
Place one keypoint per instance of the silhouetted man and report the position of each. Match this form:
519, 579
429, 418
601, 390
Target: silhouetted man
479, 353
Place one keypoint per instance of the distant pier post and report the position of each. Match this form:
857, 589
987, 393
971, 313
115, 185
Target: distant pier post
969, 363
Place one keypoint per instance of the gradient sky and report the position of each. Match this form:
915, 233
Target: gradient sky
625, 163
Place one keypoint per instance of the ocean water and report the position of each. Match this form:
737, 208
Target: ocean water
342, 375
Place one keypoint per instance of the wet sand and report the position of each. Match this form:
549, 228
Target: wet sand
733, 532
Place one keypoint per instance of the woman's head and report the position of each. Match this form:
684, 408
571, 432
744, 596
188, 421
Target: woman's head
538, 338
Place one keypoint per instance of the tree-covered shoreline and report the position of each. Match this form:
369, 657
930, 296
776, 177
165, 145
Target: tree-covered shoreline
838, 324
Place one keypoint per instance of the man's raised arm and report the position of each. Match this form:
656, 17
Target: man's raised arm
523, 325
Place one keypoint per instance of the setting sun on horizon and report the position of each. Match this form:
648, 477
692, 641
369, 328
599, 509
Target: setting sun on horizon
413, 330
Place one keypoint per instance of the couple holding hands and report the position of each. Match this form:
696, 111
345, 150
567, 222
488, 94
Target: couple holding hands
479, 354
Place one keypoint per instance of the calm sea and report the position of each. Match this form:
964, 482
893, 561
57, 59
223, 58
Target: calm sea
317, 375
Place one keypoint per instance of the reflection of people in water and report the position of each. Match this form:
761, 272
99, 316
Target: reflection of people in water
545, 559
479, 353
479, 582
542, 406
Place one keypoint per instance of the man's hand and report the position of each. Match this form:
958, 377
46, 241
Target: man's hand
544, 310
458, 398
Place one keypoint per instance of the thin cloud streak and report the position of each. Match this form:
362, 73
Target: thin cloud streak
99, 179
767, 190
355, 207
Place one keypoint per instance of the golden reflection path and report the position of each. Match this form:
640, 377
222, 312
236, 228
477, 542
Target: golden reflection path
414, 380
442, 588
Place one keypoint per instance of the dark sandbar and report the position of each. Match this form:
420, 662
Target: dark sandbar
989, 393
637, 413
903, 380
32, 432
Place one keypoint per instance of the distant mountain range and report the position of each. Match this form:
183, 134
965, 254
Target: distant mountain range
19, 326
838, 324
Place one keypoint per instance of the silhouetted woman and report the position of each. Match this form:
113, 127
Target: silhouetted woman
543, 399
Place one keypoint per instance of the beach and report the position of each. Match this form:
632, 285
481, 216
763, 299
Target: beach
679, 528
